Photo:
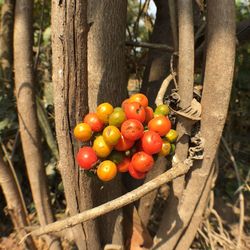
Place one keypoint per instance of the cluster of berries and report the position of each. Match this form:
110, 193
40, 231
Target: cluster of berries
124, 139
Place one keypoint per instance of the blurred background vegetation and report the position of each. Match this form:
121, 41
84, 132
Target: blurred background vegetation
140, 22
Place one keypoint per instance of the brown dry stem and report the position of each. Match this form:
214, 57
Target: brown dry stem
117, 203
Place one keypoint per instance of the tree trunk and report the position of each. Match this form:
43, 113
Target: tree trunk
14, 203
108, 83
29, 130
185, 90
220, 56
156, 71
185, 83
69, 51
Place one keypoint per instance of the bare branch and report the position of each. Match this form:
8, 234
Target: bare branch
150, 45
178, 170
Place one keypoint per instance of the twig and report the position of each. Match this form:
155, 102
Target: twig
199, 31
179, 169
203, 236
150, 45
140, 12
163, 89
241, 196
130, 37
221, 228
223, 238
209, 233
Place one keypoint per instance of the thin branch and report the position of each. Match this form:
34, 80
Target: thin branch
163, 89
131, 38
141, 11
216, 215
241, 196
179, 169
200, 31
150, 45
203, 236
210, 235
220, 238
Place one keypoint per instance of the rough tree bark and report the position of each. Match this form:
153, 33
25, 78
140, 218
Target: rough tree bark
157, 69
107, 83
220, 56
14, 203
28, 124
69, 51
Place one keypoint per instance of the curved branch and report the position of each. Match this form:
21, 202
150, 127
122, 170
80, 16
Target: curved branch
180, 169
163, 89
220, 57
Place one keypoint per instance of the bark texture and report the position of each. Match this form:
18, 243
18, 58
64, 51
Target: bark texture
156, 71
220, 56
14, 203
107, 83
28, 124
69, 50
